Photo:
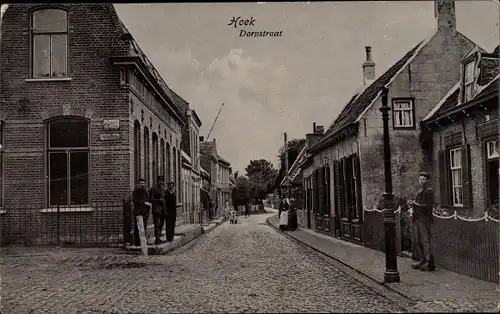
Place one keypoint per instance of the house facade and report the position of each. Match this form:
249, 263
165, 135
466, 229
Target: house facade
219, 170
191, 176
462, 138
344, 169
84, 113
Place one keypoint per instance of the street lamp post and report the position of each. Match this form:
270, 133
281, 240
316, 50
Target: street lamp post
391, 273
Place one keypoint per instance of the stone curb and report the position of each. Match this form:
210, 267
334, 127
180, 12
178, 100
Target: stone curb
165, 248
207, 230
403, 294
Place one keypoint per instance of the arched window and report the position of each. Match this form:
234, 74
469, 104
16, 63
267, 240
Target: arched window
49, 42
68, 161
146, 156
169, 164
154, 162
174, 167
137, 151
162, 159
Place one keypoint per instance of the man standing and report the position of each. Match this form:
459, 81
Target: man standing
171, 204
157, 196
422, 221
141, 207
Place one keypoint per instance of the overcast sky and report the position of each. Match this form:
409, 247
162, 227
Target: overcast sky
282, 84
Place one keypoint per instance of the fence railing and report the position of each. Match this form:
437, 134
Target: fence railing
95, 224
464, 245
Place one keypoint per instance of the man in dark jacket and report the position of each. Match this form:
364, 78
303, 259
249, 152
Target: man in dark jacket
140, 198
157, 196
422, 221
171, 205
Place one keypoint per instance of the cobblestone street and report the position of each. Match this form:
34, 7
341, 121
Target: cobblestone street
246, 267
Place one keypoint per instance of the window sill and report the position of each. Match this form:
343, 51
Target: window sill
68, 210
55, 79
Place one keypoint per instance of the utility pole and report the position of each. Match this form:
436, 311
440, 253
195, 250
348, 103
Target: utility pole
215, 120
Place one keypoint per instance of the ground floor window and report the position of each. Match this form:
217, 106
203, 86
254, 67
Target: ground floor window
492, 172
68, 162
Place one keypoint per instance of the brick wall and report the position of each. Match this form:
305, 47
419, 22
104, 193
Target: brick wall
93, 92
468, 131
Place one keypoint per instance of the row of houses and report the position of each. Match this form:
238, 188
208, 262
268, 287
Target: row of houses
443, 95
84, 114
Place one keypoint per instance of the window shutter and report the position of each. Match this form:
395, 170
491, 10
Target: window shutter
359, 194
444, 184
316, 191
328, 194
337, 187
466, 176
345, 187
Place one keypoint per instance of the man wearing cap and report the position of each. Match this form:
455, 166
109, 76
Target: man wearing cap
140, 198
171, 205
157, 196
422, 222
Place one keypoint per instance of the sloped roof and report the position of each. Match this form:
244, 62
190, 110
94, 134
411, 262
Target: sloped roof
488, 82
295, 168
359, 103
448, 102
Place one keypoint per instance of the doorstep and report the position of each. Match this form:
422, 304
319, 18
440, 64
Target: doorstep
437, 286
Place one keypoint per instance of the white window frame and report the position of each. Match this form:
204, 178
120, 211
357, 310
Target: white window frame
35, 33
492, 149
398, 112
456, 167
469, 81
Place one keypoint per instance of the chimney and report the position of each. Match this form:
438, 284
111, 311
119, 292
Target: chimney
368, 67
201, 138
444, 12
319, 130
314, 127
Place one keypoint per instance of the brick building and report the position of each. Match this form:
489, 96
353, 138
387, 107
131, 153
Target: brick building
219, 170
84, 113
345, 168
461, 135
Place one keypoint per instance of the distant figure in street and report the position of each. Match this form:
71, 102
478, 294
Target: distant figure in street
157, 196
210, 208
171, 206
284, 215
422, 222
140, 198
292, 217
247, 209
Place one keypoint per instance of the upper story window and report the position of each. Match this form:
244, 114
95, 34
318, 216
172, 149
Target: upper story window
49, 42
403, 113
468, 80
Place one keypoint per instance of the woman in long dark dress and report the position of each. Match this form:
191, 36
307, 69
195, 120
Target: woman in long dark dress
292, 217
284, 215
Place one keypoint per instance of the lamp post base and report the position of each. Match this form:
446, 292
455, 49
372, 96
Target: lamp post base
391, 276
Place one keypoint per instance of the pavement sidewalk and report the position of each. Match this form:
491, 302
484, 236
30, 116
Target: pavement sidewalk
183, 235
440, 291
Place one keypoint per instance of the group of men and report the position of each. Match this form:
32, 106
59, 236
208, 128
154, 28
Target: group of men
163, 205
